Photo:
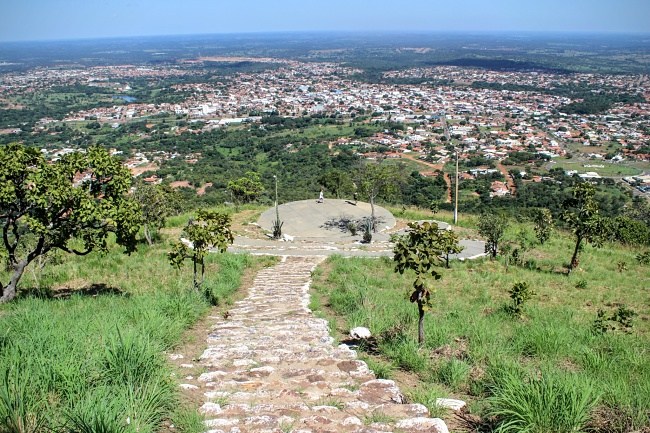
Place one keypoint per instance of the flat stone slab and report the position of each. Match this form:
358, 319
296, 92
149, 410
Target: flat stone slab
310, 219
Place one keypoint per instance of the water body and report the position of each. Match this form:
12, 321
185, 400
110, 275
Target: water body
125, 98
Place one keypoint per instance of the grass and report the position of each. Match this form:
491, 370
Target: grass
82, 348
599, 382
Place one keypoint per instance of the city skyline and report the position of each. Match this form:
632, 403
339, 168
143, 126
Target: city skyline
34, 20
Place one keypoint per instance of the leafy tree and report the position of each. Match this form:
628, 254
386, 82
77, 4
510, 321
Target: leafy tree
543, 220
449, 244
157, 203
420, 251
71, 205
337, 181
246, 189
492, 228
581, 215
210, 230
374, 180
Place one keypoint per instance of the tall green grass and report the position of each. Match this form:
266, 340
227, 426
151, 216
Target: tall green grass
87, 354
471, 338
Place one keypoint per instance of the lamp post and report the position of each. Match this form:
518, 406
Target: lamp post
456, 194
277, 212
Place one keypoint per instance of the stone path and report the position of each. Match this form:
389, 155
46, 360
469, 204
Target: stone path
272, 367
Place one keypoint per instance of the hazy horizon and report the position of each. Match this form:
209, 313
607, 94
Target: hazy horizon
61, 20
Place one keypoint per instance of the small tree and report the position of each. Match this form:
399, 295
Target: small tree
543, 220
581, 215
420, 251
520, 293
210, 230
492, 228
449, 244
337, 181
70, 205
246, 189
374, 180
157, 203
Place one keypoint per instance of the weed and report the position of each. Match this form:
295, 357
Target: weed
382, 370
453, 373
549, 404
427, 395
331, 402
581, 284
188, 421
378, 417
519, 293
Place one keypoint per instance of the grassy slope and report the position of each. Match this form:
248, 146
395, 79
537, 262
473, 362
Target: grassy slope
471, 340
102, 337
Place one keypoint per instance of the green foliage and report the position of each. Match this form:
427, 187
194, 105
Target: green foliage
543, 220
211, 230
367, 231
419, 251
581, 284
469, 324
19, 412
157, 202
44, 208
246, 189
337, 181
374, 180
277, 228
492, 227
621, 320
549, 404
581, 215
643, 258
519, 293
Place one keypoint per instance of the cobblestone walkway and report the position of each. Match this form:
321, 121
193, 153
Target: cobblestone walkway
271, 366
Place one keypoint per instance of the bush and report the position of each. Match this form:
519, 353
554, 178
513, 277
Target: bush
549, 404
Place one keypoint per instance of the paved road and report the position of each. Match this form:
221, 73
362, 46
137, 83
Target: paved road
311, 230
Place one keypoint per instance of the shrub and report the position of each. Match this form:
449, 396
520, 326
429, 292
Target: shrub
519, 294
549, 404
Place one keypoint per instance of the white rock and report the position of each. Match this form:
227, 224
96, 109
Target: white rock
210, 409
422, 423
450, 403
287, 238
188, 386
221, 422
360, 332
352, 420
187, 365
175, 356
211, 376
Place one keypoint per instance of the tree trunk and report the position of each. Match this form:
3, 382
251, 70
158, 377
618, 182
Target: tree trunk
420, 323
574, 259
196, 284
9, 291
147, 234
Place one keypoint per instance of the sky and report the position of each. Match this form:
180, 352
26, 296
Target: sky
22, 20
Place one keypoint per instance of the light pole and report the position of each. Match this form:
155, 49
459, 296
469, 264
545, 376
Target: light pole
277, 212
456, 194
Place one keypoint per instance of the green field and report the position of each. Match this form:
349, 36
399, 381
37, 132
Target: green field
545, 371
608, 169
83, 347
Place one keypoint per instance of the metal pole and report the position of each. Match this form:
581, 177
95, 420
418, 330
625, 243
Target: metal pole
456, 196
277, 213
